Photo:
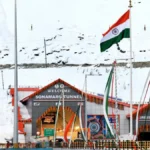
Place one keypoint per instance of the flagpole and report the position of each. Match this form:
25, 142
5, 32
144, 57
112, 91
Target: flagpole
15, 133
131, 117
116, 103
58, 105
63, 110
85, 107
72, 131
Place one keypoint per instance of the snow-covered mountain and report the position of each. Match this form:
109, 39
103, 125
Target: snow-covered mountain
72, 30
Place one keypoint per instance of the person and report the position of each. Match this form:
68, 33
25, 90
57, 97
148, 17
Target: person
8, 144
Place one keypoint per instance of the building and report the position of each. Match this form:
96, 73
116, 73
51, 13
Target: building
143, 122
42, 104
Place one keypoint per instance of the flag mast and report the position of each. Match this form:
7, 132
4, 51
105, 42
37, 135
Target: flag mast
131, 118
15, 132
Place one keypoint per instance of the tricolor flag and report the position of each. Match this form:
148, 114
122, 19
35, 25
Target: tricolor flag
105, 101
68, 127
70, 123
118, 31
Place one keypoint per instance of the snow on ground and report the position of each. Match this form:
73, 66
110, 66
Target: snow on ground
6, 116
24, 111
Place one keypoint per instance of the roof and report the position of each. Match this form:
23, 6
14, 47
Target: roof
90, 97
20, 122
23, 89
143, 108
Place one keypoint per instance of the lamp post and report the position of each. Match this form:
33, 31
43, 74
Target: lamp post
45, 53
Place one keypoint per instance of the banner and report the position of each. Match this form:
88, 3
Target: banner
49, 118
97, 125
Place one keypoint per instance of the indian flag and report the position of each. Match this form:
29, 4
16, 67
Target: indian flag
105, 101
118, 31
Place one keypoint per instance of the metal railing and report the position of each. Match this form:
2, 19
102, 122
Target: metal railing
102, 144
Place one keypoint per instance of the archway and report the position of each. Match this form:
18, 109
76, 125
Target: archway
48, 120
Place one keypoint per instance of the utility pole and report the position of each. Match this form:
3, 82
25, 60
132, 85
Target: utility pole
45, 53
116, 102
2, 79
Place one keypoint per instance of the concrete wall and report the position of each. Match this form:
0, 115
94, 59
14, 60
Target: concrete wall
28, 130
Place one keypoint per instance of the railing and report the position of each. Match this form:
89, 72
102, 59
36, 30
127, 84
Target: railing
102, 144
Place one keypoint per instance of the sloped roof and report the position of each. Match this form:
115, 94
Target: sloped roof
20, 120
143, 108
90, 97
23, 89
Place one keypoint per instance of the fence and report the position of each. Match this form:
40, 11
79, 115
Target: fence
102, 144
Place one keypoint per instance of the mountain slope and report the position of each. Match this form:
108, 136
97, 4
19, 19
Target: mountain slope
73, 31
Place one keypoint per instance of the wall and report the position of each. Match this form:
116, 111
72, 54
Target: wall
23, 94
27, 129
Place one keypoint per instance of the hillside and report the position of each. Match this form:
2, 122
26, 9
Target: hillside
145, 64
72, 36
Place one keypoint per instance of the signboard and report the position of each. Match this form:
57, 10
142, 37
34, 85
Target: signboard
144, 118
98, 126
48, 132
55, 93
49, 118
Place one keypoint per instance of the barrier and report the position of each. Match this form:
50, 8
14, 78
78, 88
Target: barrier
28, 149
101, 144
